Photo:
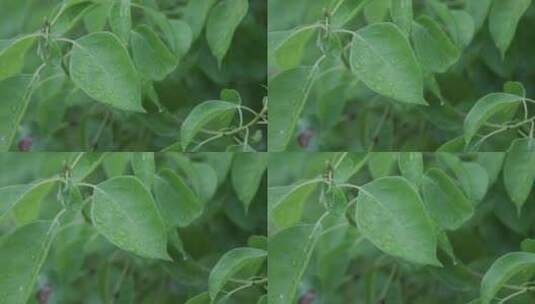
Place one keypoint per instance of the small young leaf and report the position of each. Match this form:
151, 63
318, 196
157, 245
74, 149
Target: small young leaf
289, 254
207, 112
392, 216
230, 95
432, 45
230, 264
445, 202
101, 67
125, 213
381, 56
86, 164
411, 165
13, 54
290, 50
347, 10
151, 56
288, 92
223, 20
246, 174
503, 21
519, 171
14, 93
349, 166
182, 37
121, 19
179, 205
503, 269
484, 109
144, 167
22, 254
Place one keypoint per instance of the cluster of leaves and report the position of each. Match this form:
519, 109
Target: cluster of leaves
400, 75
402, 227
133, 228
132, 75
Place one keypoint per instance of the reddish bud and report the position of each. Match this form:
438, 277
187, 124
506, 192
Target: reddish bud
43, 294
25, 144
308, 297
304, 138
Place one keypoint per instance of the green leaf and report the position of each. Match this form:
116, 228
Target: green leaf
27, 204
204, 180
492, 162
465, 27
347, 10
288, 92
230, 95
196, 13
223, 20
382, 163
290, 50
479, 11
212, 111
472, 177
144, 167
96, 17
446, 203
411, 165
285, 204
392, 216
121, 19
503, 21
179, 205
203, 298
14, 93
402, 14
230, 264
432, 45
289, 254
101, 67
125, 213
246, 174
151, 56
502, 270
383, 59
182, 37
484, 109
528, 245
115, 163
13, 54
27, 196
73, 13
331, 106
22, 254
85, 164
349, 166
519, 171
377, 10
